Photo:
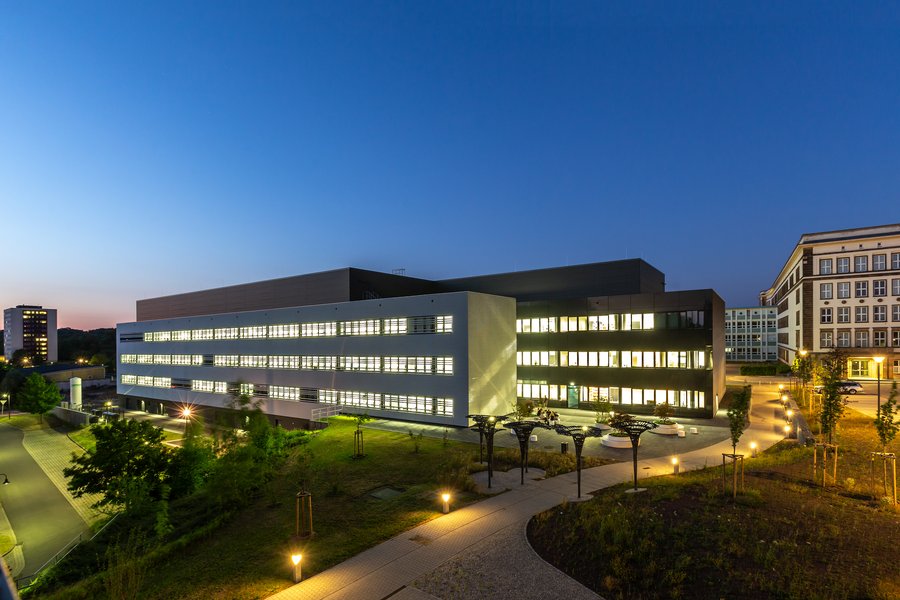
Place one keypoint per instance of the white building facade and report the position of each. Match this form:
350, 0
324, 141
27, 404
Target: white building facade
431, 358
842, 289
751, 334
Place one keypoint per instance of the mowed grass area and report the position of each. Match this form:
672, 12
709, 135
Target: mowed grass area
84, 437
785, 537
249, 555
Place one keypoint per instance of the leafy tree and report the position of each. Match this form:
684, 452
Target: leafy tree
99, 359
11, 383
738, 414
834, 402
37, 395
602, 410
192, 465
21, 358
664, 411
128, 465
886, 424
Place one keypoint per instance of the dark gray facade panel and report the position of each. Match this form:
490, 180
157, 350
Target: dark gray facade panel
597, 279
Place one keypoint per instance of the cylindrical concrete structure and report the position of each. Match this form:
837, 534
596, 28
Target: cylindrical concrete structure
75, 393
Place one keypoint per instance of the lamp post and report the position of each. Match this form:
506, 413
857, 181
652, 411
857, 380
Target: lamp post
185, 414
446, 499
878, 360
4, 398
486, 426
523, 430
803, 376
579, 435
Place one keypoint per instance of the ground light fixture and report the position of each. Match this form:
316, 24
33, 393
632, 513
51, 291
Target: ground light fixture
790, 414
446, 499
754, 450
787, 430
675, 466
784, 398
298, 574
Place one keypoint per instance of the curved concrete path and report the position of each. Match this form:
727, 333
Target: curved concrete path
392, 568
42, 518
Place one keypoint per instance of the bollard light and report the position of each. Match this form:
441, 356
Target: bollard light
754, 450
787, 430
446, 498
675, 466
784, 398
780, 386
790, 414
298, 574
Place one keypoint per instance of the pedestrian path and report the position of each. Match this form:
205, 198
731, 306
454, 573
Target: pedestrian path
393, 568
52, 451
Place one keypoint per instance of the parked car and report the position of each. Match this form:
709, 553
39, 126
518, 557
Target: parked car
846, 387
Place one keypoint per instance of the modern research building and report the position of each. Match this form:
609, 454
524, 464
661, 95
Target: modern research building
429, 351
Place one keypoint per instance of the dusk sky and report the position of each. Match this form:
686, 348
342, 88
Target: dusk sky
154, 148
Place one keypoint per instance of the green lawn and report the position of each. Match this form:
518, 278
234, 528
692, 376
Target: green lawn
783, 538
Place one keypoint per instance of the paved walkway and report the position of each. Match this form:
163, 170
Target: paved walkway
426, 561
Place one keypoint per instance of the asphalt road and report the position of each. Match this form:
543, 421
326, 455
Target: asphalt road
41, 517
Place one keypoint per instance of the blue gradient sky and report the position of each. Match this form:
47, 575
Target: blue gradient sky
172, 146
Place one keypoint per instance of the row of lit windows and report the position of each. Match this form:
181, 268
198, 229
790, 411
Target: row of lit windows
145, 380
861, 338
616, 395
440, 365
398, 326
614, 322
613, 358
860, 289
860, 263
860, 314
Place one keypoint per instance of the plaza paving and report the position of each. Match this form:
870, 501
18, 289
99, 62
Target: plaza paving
480, 550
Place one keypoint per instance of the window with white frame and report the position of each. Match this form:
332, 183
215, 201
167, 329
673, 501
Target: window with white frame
879, 262
862, 289
145, 380
443, 324
825, 290
895, 312
162, 359
843, 314
862, 338
824, 266
144, 359
843, 264
181, 336
879, 339
879, 288
826, 338
825, 315
860, 264
895, 287
879, 313
129, 379
284, 362
245, 389
128, 358
895, 261
843, 339
254, 361
326, 329
895, 338
202, 334
843, 289
862, 314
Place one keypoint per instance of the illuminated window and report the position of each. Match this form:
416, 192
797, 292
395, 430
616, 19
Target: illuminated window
181, 336
245, 389
255, 332
162, 382
162, 359
145, 359
226, 333
395, 326
230, 360
187, 359
202, 334
145, 380
256, 362
129, 379
327, 329
444, 324
444, 365
128, 358
284, 331
284, 362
